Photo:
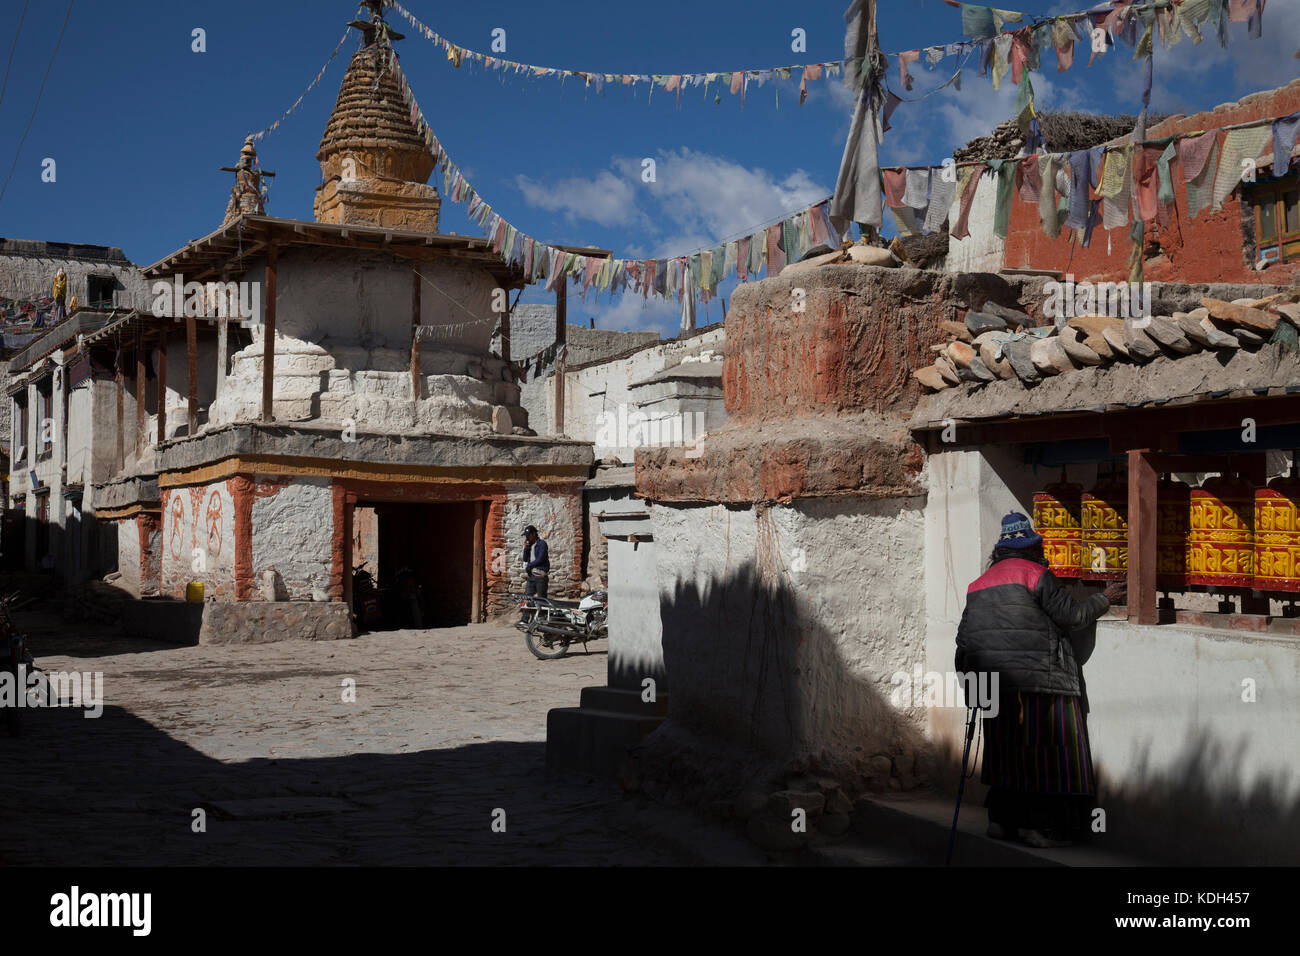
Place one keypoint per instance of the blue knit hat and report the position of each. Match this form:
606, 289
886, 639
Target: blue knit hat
1018, 532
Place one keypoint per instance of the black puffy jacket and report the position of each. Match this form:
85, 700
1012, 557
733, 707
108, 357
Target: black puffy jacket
1017, 623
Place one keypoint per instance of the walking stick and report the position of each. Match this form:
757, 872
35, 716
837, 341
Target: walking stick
961, 783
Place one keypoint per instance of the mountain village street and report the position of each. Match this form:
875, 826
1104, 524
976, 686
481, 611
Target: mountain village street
447, 727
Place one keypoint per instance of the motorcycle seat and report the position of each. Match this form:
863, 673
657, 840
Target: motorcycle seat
557, 602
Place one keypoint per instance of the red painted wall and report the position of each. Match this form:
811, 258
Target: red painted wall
1207, 249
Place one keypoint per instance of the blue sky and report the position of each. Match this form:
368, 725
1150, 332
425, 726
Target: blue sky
138, 124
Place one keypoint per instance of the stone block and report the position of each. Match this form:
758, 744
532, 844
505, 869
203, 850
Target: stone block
265, 622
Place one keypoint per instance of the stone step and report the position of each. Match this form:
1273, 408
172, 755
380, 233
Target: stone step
592, 740
919, 823
623, 700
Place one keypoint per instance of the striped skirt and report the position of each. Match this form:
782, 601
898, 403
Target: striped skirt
1038, 743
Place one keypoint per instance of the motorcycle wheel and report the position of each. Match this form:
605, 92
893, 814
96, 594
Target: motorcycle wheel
533, 638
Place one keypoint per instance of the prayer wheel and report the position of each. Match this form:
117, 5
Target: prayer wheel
1222, 534
1277, 535
1057, 519
1104, 554
1173, 534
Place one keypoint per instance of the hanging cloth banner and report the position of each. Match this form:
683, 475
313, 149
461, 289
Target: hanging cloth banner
734, 81
644, 275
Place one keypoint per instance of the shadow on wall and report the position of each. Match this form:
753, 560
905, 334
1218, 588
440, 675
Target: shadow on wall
762, 693
1181, 817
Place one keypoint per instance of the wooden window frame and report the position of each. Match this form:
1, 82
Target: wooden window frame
1274, 194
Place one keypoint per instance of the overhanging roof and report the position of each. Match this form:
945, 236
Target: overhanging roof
243, 241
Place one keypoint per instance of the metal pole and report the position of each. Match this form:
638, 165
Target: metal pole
961, 784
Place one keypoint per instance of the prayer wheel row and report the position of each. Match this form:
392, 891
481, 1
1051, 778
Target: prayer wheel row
1224, 534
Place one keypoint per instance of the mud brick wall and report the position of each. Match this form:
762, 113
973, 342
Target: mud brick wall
817, 400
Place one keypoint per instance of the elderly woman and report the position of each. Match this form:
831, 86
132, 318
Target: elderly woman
1021, 624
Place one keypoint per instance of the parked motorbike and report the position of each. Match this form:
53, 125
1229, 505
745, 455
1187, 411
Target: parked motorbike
14, 660
551, 625
366, 607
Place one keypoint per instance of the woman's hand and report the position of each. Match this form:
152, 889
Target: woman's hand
1116, 592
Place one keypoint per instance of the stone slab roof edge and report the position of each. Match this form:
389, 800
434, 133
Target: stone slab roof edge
81, 251
1190, 379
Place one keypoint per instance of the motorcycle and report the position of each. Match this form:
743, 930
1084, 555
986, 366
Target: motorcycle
15, 660
365, 600
551, 625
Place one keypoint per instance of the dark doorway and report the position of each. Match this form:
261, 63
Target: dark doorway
436, 543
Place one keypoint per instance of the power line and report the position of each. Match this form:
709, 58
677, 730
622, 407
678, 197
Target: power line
13, 49
36, 105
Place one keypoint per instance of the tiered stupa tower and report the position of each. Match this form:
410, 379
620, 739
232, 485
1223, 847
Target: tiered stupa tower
374, 165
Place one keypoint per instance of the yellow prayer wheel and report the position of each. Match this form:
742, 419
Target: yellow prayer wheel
1057, 518
1173, 534
1222, 534
1104, 553
1277, 536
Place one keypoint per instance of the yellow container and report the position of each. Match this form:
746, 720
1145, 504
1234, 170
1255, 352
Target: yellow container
194, 592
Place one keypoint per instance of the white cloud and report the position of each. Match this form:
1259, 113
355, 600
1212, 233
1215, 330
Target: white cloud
703, 199
605, 199
630, 311
697, 199
1246, 65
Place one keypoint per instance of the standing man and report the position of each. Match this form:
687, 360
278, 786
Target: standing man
1021, 624
537, 563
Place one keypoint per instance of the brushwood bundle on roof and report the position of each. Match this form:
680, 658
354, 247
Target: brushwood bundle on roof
1063, 132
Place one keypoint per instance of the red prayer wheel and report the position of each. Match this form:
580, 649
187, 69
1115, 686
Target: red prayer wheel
1277, 536
1104, 554
1173, 534
1222, 534
1057, 518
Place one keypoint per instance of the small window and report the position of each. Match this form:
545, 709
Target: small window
99, 291
44, 413
20, 453
1267, 221
1276, 208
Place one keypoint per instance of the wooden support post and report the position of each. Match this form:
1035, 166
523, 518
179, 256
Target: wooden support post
561, 328
415, 336
162, 384
505, 331
139, 391
349, 516
480, 564
119, 444
1142, 518
268, 339
192, 372
223, 346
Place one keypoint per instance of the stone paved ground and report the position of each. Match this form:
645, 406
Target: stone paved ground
448, 725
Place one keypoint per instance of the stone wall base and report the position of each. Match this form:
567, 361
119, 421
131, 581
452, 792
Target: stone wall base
263, 622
